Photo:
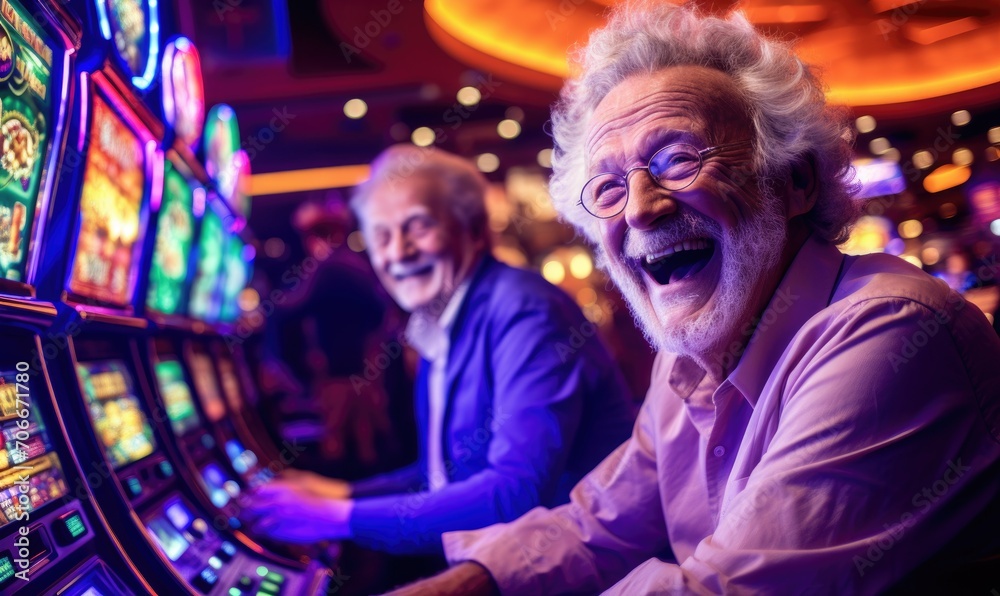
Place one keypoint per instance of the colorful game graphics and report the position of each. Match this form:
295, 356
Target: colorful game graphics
205, 383
174, 239
177, 397
237, 274
133, 27
206, 296
25, 113
183, 91
26, 454
110, 210
114, 409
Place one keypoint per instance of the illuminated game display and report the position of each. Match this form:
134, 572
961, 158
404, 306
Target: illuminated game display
205, 292
237, 273
110, 210
27, 452
183, 90
133, 27
230, 384
222, 142
174, 237
26, 116
177, 397
114, 409
204, 382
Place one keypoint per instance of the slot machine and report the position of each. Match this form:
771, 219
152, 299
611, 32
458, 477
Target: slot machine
207, 427
52, 538
105, 209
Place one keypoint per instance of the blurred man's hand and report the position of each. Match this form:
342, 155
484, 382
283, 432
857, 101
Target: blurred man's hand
287, 514
309, 483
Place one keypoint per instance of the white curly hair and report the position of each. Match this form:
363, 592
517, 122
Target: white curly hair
788, 109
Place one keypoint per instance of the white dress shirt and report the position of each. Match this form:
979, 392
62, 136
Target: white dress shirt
429, 337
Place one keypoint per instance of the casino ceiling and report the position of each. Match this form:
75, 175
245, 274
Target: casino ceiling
303, 60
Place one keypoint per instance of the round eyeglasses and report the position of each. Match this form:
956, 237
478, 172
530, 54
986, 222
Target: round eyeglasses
674, 167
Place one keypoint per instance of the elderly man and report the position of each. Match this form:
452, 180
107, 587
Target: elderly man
816, 422
510, 415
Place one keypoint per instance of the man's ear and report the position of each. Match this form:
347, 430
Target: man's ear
801, 188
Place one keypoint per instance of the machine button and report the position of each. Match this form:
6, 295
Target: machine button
275, 577
134, 486
269, 587
164, 470
226, 552
246, 583
205, 580
69, 528
198, 528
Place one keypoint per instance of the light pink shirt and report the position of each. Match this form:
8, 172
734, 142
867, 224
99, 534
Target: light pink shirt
857, 437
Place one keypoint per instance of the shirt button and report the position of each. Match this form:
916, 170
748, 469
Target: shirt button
719, 451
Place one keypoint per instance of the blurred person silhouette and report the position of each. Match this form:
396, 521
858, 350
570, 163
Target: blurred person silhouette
329, 328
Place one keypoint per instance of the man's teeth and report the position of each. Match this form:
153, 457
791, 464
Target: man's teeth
697, 244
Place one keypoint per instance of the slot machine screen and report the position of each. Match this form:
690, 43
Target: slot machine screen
237, 273
203, 375
167, 537
27, 452
26, 122
132, 26
110, 210
174, 238
177, 397
230, 384
114, 409
205, 292
97, 581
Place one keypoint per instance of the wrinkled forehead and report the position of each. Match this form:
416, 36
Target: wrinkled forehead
681, 101
397, 197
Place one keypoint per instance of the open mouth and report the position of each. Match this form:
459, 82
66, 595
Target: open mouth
680, 261
416, 272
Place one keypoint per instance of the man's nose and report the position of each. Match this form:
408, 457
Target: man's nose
399, 247
648, 202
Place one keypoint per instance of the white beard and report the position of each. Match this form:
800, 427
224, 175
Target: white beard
748, 253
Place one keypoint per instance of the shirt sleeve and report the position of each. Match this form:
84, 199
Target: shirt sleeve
538, 403
612, 522
876, 464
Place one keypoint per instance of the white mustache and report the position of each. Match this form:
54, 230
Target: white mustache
684, 226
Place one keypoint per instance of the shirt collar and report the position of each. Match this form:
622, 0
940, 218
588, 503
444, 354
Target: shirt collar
429, 337
804, 290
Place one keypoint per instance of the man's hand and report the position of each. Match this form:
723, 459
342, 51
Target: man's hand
309, 483
465, 579
289, 515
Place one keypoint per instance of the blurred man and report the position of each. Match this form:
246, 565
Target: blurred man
516, 399
815, 422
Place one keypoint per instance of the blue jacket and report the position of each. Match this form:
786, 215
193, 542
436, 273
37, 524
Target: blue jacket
534, 402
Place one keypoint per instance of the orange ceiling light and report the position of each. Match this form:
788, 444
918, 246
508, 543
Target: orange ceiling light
945, 177
274, 183
871, 53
